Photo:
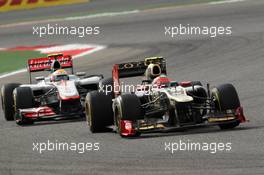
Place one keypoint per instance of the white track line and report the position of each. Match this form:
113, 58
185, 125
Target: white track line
225, 1
12, 73
81, 46
102, 15
66, 47
96, 49
109, 14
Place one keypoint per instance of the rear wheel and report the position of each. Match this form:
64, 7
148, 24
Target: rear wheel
99, 112
8, 100
226, 98
24, 99
107, 86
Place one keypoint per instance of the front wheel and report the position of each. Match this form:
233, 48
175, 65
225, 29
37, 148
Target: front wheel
127, 110
8, 100
99, 113
24, 99
226, 98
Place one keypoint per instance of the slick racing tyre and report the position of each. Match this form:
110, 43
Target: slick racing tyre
226, 98
107, 86
196, 83
24, 99
8, 100
130, 107
99, 113
127, 107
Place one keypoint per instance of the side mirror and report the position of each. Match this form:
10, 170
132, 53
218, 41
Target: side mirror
80, 74
40, 78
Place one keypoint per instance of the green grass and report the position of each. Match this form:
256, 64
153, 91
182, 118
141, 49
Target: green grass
14, 60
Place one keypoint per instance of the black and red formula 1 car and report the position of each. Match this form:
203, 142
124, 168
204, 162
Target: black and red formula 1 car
57, 96
160, 104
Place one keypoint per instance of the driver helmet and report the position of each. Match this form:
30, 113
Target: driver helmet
59, 75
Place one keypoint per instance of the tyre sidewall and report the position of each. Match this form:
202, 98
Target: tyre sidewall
8, 100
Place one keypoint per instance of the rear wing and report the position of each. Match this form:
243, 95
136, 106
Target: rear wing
134, 69
42, 64
45, 63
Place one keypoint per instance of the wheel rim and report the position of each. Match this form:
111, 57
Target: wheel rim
117, 122
89, 114
3, 105
217, 100
15, 106
2, 98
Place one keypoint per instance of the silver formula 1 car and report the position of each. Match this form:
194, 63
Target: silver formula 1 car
59, 95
